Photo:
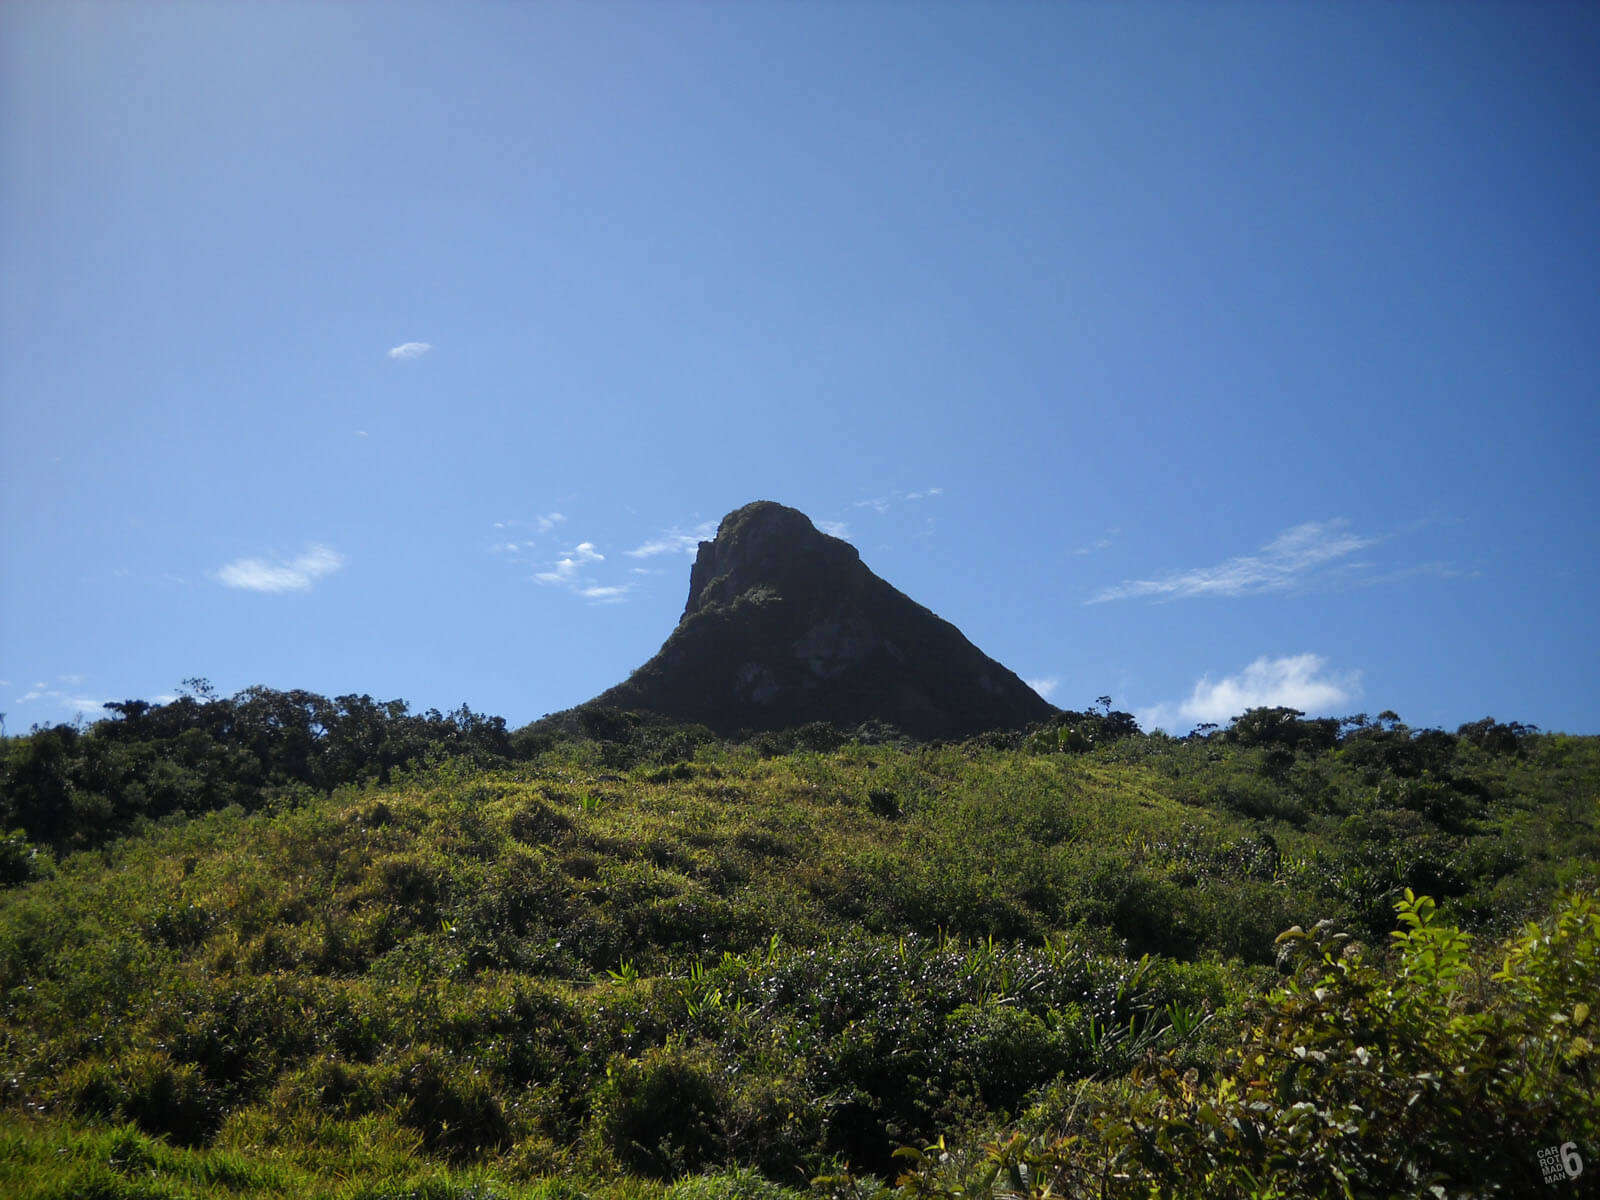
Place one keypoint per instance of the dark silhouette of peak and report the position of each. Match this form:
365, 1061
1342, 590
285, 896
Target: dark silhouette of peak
785, 625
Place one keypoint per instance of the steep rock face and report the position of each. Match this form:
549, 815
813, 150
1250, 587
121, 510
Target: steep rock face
786, 625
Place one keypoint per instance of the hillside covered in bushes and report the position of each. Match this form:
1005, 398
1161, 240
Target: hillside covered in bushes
280, 946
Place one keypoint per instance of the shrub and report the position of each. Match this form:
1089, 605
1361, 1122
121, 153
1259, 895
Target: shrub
738, 1184
660, 1115
456, 1113
1440, 1076
146, 1087
21, 862
776, 1124
1008, 1051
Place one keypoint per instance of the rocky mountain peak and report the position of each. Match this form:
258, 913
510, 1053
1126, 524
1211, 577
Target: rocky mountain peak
765, 545
785, 625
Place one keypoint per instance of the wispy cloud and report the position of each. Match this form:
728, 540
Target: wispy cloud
1103, 542
1043, 686
882, 504
1426, 570
836, 529
1301, 681
406, 351
85, 705
675, 541
281, 575
572, 572
570, 564
1290, 560
541, 524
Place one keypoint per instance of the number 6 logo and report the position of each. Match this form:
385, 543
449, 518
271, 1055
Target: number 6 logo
1571, 1162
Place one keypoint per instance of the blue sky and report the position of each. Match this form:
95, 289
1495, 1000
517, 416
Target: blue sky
1200, 355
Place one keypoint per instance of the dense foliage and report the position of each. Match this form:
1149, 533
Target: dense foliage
618, 957
68, 787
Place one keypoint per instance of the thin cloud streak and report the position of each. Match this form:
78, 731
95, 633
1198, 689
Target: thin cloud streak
882, 504
675, 541
82, 705
294, 575
406, 351
1104, 542
1282, 564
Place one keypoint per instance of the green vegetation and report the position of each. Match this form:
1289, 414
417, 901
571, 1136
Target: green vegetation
281, 946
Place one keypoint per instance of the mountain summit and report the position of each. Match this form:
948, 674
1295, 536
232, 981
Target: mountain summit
785, 625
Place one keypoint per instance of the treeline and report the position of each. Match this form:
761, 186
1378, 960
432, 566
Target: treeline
70, 787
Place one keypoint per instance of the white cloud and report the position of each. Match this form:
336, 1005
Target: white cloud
63, 700
539, 524
606, 594
1299, 681
1043, 686
571, 572
882, 504
406, 351
836, 529
293, 575
1283, 563
675, 541
1104, 542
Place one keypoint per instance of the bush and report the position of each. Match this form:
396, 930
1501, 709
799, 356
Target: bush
1441, 1076
21, 862
730, 1185
162, 1097
660, 1115
456, 1113
1008, 1051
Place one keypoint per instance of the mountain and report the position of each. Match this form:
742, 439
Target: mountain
786, 625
